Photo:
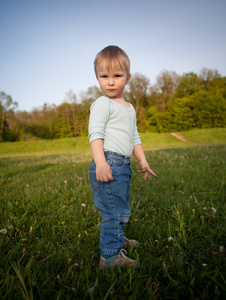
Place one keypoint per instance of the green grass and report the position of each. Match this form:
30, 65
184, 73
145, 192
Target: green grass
50, 250
81, 145
43, 147
193, 137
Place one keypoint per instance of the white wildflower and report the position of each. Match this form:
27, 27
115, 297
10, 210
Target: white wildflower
170, 239
65, 181
83, 205
79, 236
4, 231
214, 210
204, 265
204, 208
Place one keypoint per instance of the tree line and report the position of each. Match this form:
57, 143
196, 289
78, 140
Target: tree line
173, 103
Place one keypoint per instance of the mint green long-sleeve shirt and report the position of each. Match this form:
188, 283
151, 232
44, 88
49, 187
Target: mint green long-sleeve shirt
115, 124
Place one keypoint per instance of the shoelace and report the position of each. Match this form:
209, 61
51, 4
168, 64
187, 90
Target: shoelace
123, 253
126, 240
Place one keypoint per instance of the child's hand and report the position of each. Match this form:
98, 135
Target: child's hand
104, 172
144, 168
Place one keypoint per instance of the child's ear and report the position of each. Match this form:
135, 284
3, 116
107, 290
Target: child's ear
128, 78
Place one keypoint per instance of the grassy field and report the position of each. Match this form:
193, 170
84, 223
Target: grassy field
81, 145
50, 228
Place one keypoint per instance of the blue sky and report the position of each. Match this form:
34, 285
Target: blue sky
48, 46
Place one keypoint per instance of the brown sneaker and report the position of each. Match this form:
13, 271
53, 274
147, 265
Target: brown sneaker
117, 261
131, 243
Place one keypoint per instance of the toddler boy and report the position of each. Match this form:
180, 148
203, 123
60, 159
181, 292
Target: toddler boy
113, 137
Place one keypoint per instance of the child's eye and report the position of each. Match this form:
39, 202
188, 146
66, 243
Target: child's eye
118, 75
103, 76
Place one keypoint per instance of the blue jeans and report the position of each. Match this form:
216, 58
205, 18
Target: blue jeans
112, 200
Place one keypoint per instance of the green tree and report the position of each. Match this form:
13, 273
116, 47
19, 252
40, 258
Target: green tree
166, 84
93, 93
71, 98
152, 120
64, 124
7, 105
86, 99
210, 109
188, 85
181, 115
208, 78
136, 93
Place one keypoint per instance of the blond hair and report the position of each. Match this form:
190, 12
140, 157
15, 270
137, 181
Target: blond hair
112, 57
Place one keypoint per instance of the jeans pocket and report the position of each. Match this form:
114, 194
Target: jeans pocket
109, 161
96, 186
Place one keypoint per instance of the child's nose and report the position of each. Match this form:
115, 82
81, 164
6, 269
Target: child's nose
111, 81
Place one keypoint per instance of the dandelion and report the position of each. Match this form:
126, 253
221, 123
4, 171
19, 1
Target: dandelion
3, 231
204, 208
79, 236
86, 232
63, 223
214, 210
193, 211
65, 181
170, 239
204, 265
27, 185
83, 205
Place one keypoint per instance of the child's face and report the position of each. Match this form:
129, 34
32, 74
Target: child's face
112, 81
